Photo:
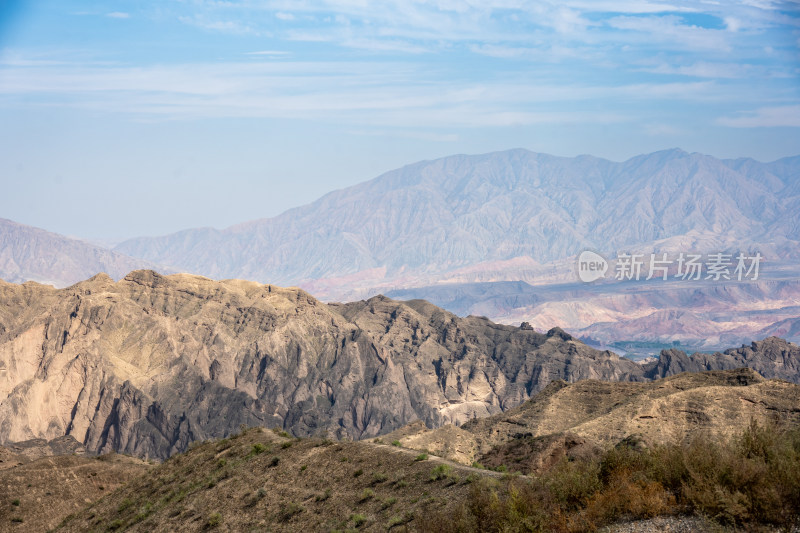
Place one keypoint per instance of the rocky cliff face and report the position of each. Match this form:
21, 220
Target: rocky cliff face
575, 418
151, 363
772, 357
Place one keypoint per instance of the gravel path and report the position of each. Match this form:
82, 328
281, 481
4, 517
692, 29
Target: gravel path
680, 524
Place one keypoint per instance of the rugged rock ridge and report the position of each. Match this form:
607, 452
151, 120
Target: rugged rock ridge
771, 357
576, 418
151, 363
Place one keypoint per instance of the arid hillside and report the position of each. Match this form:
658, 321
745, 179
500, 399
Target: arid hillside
151, 363
591, 415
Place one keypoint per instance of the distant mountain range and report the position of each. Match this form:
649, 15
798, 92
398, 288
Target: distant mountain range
497, 235
429, 219
33, 254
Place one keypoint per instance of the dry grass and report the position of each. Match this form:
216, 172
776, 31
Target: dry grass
254, 482
747, 481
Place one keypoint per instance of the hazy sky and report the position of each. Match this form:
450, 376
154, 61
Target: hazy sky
126, 118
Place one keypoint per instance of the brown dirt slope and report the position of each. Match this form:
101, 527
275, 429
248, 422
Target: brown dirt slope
260, 480
36, 495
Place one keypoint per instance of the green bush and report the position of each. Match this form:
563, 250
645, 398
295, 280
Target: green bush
258, 448
421, 457
379, 477
395, 443
214, 519
442, 471
289, 510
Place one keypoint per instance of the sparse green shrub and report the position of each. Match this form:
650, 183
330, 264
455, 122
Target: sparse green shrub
400, 520
124, 504
358, 519
366, 494
278, 431
256, 497
395, 443
222, 462
421, 457
15, 502
214, 519
379, 477
274, 461
358, 472
441, 472
287, 444
324, 496
17, 519
388, 502
303, 468
289, 510
115, 524
143, 513
258, 448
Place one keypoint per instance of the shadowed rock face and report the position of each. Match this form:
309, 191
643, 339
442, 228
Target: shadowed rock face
578, 419
771, 357
151, 363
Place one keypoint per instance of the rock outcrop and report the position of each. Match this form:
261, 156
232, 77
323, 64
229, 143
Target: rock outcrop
575, 419
152, 363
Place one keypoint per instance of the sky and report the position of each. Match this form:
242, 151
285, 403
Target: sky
128, 118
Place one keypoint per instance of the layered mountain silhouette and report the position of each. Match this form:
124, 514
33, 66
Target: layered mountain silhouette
432, 218
151, 363
33, 254
496, 235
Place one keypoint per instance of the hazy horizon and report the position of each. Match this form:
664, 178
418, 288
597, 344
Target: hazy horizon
122, 119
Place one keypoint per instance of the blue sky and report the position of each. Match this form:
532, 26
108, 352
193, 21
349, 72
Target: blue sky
126, 118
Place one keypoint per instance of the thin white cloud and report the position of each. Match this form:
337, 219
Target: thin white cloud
704, 69
223, 26
118, 15
765, 117
271, 53
670, 32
